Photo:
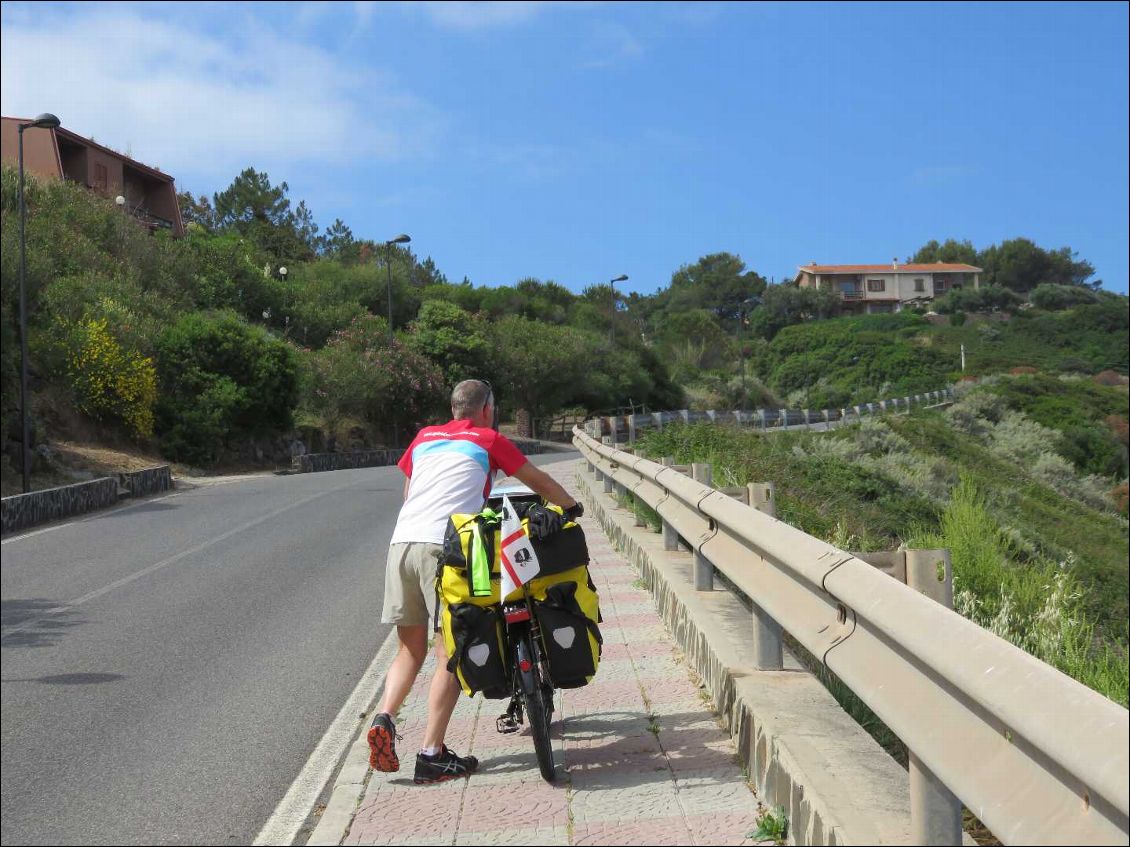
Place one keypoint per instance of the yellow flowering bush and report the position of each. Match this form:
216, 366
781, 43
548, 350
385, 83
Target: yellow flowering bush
107, 379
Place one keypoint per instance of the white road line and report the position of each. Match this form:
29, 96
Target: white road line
164, 563
287, 819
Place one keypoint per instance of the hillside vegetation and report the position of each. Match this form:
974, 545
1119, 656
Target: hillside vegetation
1038, 537
204, 350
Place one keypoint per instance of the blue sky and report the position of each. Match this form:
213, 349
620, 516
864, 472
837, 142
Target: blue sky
578, 141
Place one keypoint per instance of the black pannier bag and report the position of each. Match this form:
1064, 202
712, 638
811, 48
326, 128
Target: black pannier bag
570, 634
477, 660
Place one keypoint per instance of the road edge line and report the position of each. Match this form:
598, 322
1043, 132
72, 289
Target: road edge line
284, 824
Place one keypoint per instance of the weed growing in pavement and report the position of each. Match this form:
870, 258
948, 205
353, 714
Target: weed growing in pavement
771, 824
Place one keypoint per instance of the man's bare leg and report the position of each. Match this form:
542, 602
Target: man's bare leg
442, 697
405, 667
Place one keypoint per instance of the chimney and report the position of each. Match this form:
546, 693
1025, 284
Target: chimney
812, 264
895, 263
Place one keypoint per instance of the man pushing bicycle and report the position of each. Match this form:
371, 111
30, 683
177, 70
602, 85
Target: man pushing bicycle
449, 470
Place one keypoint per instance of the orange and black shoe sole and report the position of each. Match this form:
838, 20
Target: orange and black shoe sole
382, 754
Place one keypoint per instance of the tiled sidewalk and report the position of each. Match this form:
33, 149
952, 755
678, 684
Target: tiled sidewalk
641, 758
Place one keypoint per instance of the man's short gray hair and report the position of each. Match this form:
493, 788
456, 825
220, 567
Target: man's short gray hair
468, 398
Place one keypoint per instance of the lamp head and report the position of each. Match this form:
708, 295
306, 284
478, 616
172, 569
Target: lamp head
45, 121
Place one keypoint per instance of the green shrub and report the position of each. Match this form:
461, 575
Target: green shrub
1053, 297
221, 380
1036, 607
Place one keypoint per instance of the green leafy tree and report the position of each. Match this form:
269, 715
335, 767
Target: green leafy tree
257, 209
538, 366
951, 252
1021, 265
788, 304
197, 210
719, 283
459, 343
337, 242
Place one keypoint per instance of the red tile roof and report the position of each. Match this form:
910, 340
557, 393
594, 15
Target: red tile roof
937, 267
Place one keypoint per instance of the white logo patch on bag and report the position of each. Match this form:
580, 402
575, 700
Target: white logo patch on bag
565, 636
479, 653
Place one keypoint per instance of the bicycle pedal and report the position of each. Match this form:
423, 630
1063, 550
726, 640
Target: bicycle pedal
506, 724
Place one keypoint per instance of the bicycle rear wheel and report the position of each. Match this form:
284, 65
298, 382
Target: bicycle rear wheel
539, 709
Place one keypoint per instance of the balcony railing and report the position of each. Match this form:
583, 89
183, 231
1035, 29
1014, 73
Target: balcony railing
853, 294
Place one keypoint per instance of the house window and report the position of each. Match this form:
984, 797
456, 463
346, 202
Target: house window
876, 285
919, 285
100, 176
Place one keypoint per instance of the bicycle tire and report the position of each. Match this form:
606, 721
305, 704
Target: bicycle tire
539, 711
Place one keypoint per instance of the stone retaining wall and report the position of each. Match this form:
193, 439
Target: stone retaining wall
317, 462
51, 504
146, 482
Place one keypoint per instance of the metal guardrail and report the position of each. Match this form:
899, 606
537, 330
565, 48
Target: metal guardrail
1037, 756
766, 419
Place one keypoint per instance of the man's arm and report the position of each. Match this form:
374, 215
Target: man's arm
545, 485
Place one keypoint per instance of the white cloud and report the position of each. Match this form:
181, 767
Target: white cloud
184, 99
467, 15
612, 43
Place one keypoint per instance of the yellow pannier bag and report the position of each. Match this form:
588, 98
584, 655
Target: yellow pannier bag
468, 583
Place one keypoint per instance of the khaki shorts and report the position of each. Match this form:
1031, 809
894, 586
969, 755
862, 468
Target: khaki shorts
410, 584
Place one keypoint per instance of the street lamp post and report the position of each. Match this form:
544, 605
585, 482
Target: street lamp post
44, 121
612, 314
400, 239
748, 305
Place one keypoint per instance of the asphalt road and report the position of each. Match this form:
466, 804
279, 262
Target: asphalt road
168, 667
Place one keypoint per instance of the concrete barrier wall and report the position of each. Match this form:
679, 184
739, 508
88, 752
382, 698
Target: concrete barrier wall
51, 504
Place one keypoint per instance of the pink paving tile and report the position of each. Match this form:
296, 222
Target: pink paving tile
488, 808
626, 596
723, 829
643, 620
636, 832
626, 754
427, 812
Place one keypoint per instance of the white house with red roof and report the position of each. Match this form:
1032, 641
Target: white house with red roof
868, 289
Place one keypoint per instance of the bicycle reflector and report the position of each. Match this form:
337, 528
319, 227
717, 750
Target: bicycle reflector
517, 614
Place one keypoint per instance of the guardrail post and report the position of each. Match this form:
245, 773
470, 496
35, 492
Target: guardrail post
761, 417
768, 649
807, 420
670, 537
631, 429
763, 497
935, 813
930, 572
607, 480
703, 570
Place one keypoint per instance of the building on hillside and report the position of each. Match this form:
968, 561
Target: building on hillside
868, 289
147, 193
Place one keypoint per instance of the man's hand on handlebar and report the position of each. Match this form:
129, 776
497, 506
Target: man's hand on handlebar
543, 522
